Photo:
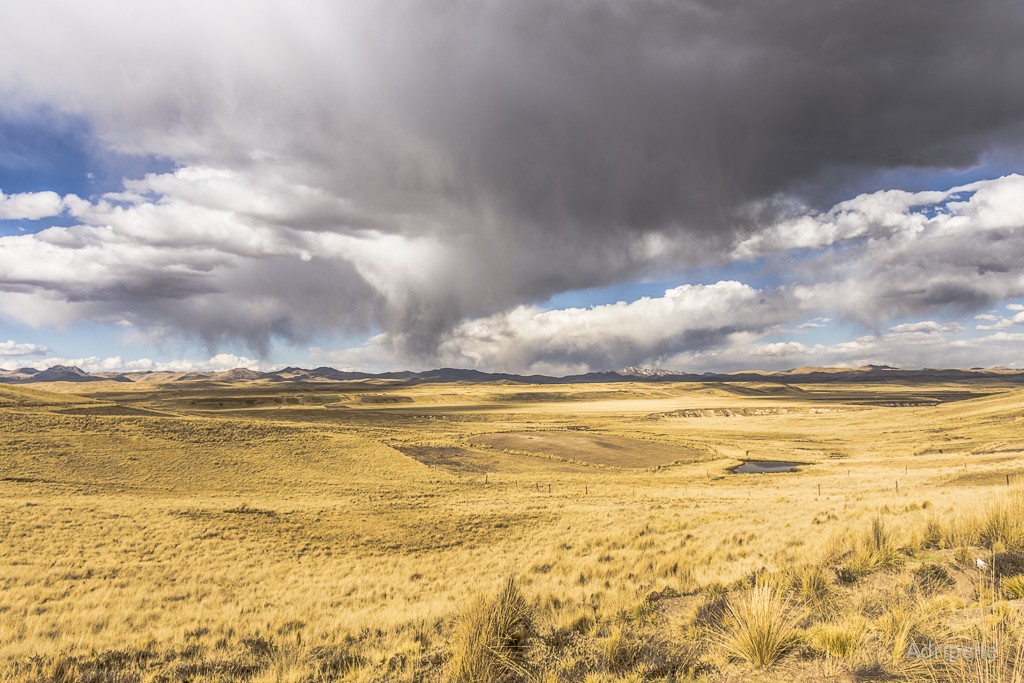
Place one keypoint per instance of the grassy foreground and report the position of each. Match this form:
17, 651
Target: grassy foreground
368, 532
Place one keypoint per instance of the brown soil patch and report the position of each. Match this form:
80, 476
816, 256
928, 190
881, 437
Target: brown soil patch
591, 447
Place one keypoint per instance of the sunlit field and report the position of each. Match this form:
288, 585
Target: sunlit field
362, 531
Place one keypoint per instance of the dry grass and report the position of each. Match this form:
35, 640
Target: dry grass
996, 524
264, 533
1000, 643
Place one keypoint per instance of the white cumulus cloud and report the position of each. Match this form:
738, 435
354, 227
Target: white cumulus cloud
13, 348
30, 205
614, 335
217, 363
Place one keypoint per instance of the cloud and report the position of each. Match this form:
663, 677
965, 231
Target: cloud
377, 354
217, 363
12, 348
614, 335
586, 114
700, 334
1001, 323
950, 252
926, 326
987, 206
30, 205
934, 347
783, 350
528, 339
221, 255
816, 323
209, 262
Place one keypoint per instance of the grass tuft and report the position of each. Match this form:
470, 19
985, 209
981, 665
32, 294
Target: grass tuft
491, 637
1013, 587
761, 627
872, 552
840, 642
811, 584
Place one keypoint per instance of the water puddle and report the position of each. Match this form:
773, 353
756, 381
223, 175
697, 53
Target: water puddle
766, 467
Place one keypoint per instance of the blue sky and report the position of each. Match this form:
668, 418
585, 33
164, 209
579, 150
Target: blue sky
476, 195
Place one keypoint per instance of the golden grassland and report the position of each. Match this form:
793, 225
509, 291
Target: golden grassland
365, 531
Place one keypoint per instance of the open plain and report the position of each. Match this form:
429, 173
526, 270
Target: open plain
394, 531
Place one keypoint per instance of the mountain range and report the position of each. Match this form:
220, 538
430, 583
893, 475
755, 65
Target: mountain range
869, 373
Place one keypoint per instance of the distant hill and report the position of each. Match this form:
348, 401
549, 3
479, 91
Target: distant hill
57, 373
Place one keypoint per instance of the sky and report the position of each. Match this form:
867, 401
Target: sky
533, 186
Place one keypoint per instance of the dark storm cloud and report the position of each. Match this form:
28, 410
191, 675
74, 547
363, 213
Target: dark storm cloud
429, 162
582, 114
599, 116
300, 299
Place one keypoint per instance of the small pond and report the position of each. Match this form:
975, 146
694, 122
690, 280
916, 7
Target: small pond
766, 467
